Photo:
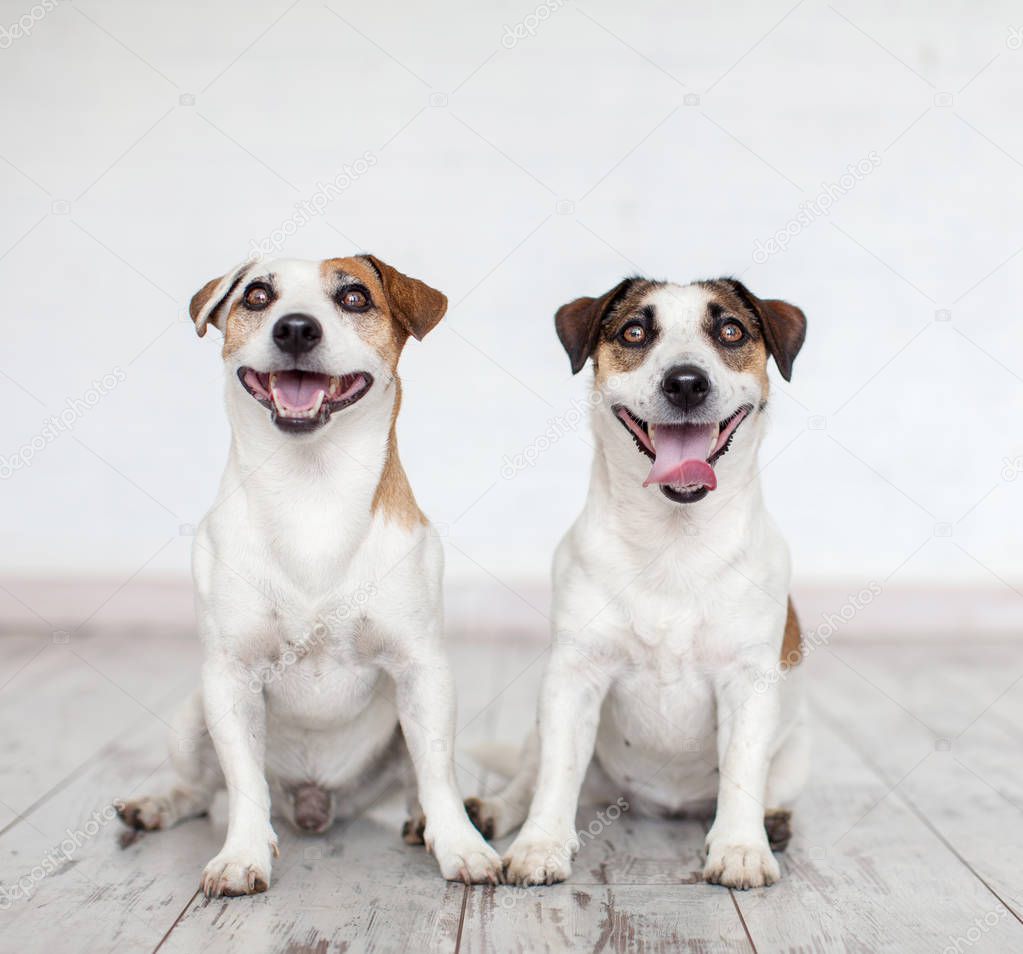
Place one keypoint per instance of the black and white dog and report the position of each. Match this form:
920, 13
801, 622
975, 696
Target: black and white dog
671, 609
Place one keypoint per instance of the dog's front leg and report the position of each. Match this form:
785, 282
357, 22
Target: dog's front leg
426, 709
738, 852
569, 712
236, 719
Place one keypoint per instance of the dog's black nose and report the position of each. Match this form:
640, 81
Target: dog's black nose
686, 386
297, 334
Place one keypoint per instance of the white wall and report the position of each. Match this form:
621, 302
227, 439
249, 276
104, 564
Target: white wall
914, 416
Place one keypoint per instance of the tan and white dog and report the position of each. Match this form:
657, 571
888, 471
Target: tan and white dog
672, 623
318, 580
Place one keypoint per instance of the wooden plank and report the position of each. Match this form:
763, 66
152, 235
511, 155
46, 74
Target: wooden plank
997, 685
869, 869
864, 873
562, 918
357, 889
96, 687
920, 723
87, 893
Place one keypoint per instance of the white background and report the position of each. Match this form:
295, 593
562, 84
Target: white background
145, 146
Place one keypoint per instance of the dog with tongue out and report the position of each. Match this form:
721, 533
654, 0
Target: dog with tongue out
673, 684
318, 582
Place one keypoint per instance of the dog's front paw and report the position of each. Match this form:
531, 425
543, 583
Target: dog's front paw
535, 860
737, 864
233, 873
465, 856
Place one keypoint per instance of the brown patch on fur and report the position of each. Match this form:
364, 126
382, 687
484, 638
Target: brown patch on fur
402, 306
413, 304
240, 326
751, 356
393, 496
781, 326
201, 310
778, 825
201, 299
792, 642
376, 326
474, 809
611, 356
131, 815
413, 830
579, 322
258, 887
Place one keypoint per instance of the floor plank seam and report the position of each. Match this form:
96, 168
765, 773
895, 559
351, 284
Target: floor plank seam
742, 920
461, 918
177, 920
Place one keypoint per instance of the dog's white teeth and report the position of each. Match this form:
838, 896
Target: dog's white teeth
319, 403
273, 382
650, 433
335, 386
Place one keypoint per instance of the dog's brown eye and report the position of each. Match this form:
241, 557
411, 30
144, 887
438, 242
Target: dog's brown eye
731, 332
633, 334
354, 299
257, 297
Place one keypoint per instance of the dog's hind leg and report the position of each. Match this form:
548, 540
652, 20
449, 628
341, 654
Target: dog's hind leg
415, 825
785, 780
497, 815
198, 775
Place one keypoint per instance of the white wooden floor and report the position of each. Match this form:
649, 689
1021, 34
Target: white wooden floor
910, 837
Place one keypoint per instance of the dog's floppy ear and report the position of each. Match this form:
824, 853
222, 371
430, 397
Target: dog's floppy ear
784, 327
207, 301
784, 332
578, 323
416, 306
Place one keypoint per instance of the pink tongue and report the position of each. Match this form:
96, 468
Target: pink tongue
298, 390
682, 451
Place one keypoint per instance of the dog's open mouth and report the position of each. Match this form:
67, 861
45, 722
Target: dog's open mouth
683, 455
304, 400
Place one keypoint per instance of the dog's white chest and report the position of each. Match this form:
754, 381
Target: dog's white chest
319, 675
669, 625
